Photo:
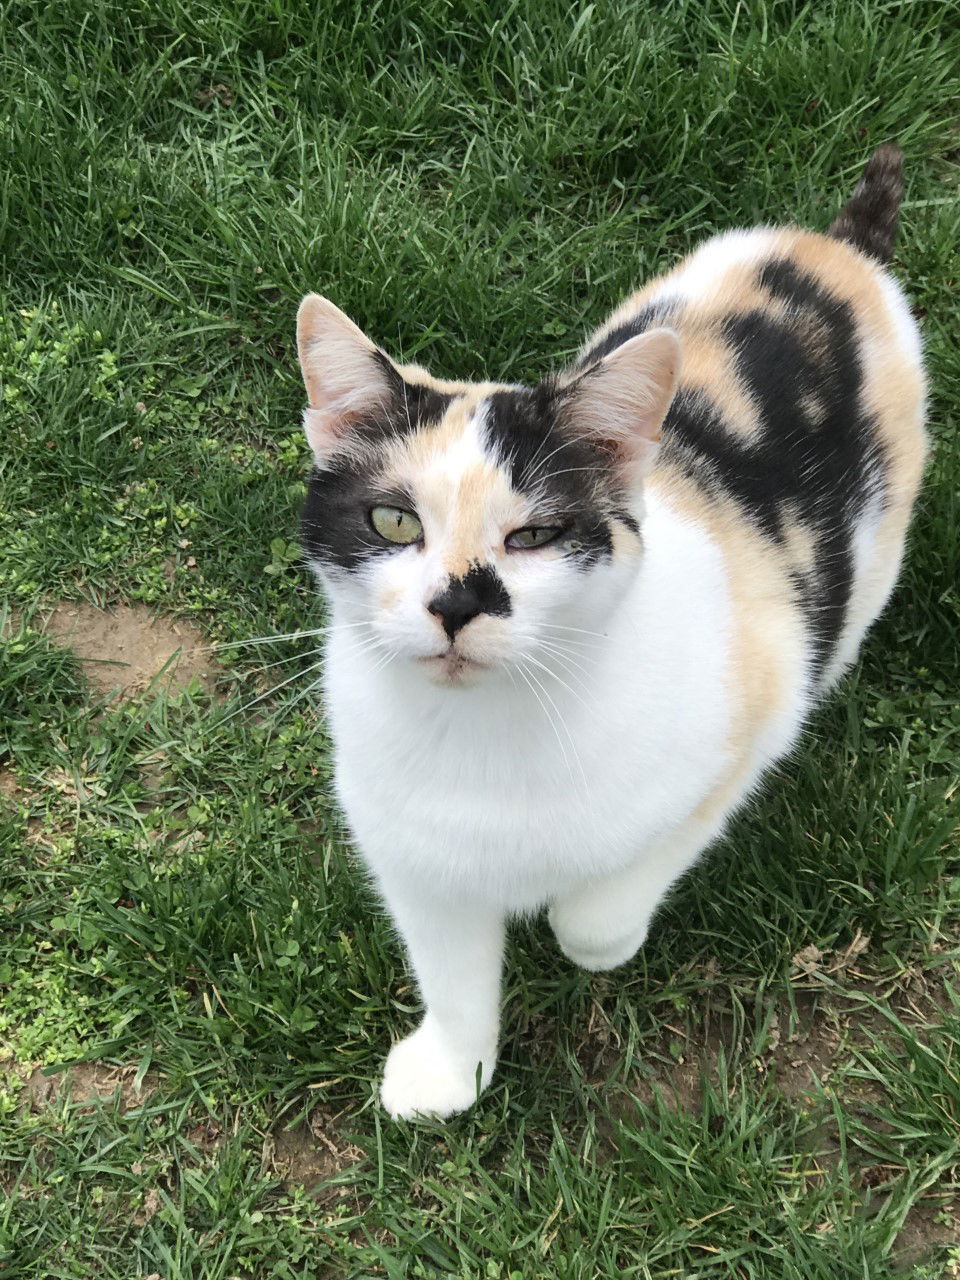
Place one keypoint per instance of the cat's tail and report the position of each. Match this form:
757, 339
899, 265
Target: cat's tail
869, 218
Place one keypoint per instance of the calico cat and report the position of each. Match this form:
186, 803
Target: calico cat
572, 624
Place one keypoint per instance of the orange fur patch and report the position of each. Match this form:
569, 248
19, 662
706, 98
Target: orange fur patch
437, 461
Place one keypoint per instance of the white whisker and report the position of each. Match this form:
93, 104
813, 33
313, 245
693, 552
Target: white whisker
290, 635
573, 669
384, 661
525, 677
569, 471
550, 672
282, 685
532, 680
529, 476
555, 626
361, 646
299, 697
573, 647
579, 649
293, 657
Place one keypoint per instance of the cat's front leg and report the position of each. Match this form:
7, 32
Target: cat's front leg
604, 922
456, 950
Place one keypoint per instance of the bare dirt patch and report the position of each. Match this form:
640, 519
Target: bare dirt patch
801, 1062
85, 1083
9, 786
684, 1062
310, 1153
125, 649
206, 1136
927, 1228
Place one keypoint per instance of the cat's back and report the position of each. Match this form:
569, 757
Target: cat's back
796, 432
785, 333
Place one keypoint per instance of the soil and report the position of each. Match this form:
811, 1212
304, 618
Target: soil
86, 1082
310, 1153
925, 1229
125, 649
802, 1053
8, 785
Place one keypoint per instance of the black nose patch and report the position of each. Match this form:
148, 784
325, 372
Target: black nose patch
462, 599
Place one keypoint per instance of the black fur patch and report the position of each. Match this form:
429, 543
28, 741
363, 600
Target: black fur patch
335, 527
573, 477
815, 458
649, 317
480, 590
411, 404
485, 583
631, 523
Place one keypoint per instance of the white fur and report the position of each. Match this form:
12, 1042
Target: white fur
706, 265
898, 309
873, 581
506, 800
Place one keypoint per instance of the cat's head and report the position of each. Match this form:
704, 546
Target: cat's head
475, 526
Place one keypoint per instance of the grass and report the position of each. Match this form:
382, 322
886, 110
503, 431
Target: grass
771, 1092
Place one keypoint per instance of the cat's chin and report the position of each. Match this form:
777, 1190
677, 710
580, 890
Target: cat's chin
452, 670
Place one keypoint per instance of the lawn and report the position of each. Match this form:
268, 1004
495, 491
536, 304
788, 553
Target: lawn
196, 988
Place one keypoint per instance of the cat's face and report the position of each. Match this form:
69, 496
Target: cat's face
470, 527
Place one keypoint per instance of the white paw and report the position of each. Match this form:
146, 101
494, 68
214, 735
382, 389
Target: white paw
592, 948
422, 1078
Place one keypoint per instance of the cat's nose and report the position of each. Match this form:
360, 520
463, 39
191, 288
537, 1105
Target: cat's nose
455, 606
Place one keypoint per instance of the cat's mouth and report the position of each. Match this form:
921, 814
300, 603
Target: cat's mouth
452, 667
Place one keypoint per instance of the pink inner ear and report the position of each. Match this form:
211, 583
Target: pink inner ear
624, 399
324, 432
342, 377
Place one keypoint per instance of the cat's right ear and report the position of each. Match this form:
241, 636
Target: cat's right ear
346, 376
620, 403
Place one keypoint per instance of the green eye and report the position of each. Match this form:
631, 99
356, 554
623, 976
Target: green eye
401, 527
535, 536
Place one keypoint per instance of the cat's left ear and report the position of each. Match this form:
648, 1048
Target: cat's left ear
622, 401
346, 376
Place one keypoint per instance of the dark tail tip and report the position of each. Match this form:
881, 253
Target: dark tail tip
869, 218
